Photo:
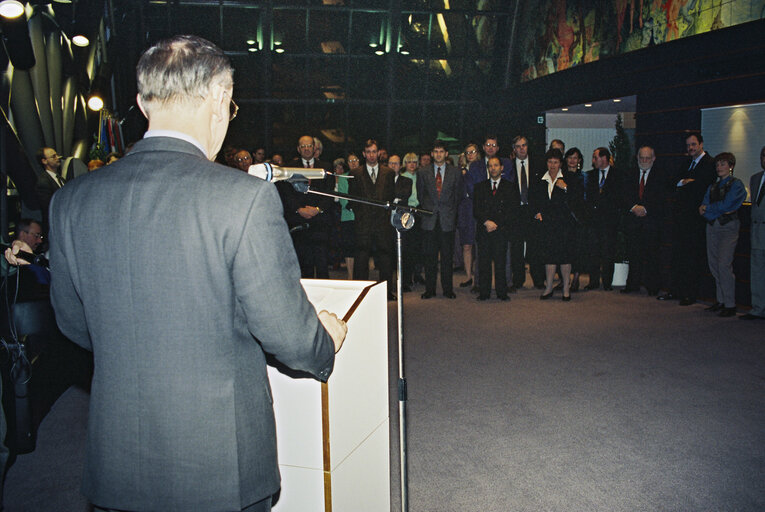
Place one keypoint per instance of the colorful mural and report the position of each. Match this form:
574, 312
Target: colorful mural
573, 32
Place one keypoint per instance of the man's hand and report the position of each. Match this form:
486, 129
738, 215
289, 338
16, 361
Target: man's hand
702, 209
638, 210
538, 216
13, 250
308, 212
685, 181
561, 184
490, 226
336, 328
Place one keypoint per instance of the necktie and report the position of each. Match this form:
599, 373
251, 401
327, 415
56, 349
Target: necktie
642, 185
374, 176
692, 167
60, 181
307, 165
494, 188
439, 181
760, 194
602, 178
524, 185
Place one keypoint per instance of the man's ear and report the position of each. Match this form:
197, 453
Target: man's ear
141, 107
220, 101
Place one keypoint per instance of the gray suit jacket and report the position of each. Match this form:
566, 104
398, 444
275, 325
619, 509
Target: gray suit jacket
445, 207
758, 213
179, 275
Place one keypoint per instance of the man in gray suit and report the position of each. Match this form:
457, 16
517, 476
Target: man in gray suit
198, 283
757, 257
440, 189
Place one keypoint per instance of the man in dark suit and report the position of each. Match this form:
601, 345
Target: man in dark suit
525, 173
309, 216
373, 231
688, 227
757, 233
646, 193
495, 205
199, 282
604, 201
49, 181
440, 189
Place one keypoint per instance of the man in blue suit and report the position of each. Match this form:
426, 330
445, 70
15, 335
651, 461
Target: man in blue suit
440, 189
757, 230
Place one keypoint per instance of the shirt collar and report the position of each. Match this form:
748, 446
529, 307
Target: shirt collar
176, 135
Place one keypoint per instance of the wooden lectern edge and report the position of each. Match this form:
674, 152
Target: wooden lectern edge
325, 410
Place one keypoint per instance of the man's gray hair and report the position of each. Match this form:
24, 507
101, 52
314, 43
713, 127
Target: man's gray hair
182, 68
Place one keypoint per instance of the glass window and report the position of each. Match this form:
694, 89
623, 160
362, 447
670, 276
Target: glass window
328, 32
289, 30
367, 78
289, 76
327, 78
241, 26
368, 32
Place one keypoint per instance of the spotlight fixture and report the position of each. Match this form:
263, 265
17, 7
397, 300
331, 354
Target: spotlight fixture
95, 102
15, 35
10, 9
80, 40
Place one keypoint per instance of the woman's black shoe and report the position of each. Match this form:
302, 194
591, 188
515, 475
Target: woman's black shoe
545, 296
717, 306
565, 299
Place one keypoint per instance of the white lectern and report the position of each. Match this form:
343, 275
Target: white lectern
333, 438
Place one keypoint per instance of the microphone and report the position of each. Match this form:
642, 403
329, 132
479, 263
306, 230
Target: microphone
268, 172
34, 259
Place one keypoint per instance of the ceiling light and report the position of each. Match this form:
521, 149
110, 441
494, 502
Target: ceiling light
251, 42
617, 100
588, 105
379, 52
279, 50
252, 50
95, 103
404, 51
564, 109
10, 9
80, 40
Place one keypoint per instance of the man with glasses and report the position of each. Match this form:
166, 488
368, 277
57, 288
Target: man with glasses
309, 215
243, 160
525, 173
180, 406
48, 181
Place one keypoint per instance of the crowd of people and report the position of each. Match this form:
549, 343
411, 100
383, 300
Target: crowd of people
499, 216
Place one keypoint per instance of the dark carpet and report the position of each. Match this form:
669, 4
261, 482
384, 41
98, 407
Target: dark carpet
605, 403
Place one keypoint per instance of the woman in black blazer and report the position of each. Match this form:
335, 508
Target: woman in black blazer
573, 175
555, 202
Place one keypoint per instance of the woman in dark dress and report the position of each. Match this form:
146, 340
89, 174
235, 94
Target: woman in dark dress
555, 201
572, 175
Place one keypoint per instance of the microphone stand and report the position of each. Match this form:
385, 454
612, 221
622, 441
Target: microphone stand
402, 219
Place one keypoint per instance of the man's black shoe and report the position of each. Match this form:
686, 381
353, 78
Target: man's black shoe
666, 296
750, 316
427, 295
608, 287
717, 306
504, 298
482, 297
687, 301
512, 289
450, 295
727, 312
467, 283
628, 289
591, 287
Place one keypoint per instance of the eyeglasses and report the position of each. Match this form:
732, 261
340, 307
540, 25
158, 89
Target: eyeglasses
233, 110
491, 144
471, 151
243, 159
38, 236
305, 146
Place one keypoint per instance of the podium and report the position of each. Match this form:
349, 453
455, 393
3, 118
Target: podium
333, 438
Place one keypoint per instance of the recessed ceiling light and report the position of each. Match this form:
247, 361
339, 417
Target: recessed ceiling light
80, 40
564, 109
279, 50
588, 105
404, 51
11, 9
380, 52
252, 50
617, 100
373, 45
250, 42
